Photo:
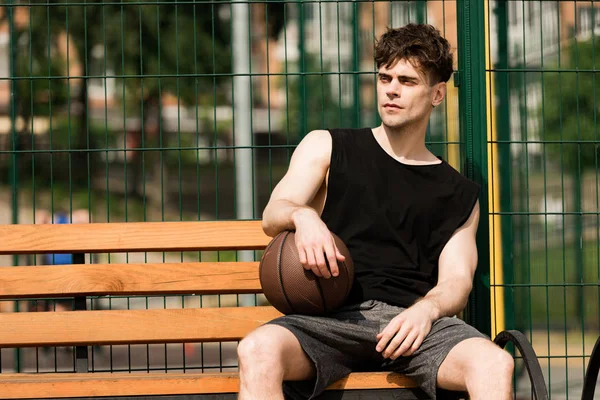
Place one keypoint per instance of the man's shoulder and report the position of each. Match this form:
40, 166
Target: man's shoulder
347, 131
455, 177
315, 146
317, 138
325, 137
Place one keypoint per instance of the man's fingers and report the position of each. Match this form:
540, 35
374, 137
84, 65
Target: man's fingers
302, 257
406, 345
321, 264
320, 256
396, 342
387, 334
315, 270
312, 263
385, 338
415, 346
339, 255
332, 261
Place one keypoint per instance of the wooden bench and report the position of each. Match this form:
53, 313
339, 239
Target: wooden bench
83, 328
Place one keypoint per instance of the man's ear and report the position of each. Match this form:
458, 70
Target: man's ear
439, 93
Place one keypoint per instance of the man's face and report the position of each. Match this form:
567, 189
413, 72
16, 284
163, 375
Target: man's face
404, 96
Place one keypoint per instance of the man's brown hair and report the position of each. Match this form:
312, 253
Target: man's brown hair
420, 44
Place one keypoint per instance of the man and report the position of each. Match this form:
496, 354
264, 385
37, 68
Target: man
409, 220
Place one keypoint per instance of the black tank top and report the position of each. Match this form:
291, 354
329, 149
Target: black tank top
395, 218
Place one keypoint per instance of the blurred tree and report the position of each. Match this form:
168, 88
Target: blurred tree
36, 68
569, 112
571, 105
179, 48
40, 87
324, 106
175, 48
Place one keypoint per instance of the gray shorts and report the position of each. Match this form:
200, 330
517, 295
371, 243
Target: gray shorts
344, 341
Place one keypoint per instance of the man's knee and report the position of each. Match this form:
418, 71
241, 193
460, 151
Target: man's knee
479, 357
258, 349
493, 362
275, 352
504, 364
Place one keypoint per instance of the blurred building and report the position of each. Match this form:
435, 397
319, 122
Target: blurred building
338, 41
539, 34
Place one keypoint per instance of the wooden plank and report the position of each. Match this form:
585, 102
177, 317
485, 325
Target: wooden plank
373, 380
132, 237
57, 385
129, 279
67, 328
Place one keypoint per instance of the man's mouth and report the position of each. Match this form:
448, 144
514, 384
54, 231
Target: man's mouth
391, 105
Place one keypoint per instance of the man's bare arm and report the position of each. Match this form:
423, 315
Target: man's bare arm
405, 333
456, 269
307, 170
288, 207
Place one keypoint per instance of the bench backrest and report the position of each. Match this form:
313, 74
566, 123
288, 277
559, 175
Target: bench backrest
130, 326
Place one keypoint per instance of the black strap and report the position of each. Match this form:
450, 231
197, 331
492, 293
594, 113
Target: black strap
591, 375
538, 384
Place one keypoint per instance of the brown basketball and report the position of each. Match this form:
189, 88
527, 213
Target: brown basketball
291, 289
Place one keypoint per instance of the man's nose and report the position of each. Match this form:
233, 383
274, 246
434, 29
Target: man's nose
393, 90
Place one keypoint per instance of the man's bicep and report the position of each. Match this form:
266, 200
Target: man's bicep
307, 170
459, 256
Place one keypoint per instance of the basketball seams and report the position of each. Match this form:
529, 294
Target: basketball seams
293, 290
279, 273
260, 265
323, 298
348, 279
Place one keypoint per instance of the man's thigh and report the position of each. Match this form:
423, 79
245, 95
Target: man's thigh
423, 366
337, 344
468, 358
279, 343
347, 335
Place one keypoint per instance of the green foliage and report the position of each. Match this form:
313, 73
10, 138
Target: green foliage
570, 107
38, 91
322, 107
57, 158
145, 43
547, 302
152, 49
181, 42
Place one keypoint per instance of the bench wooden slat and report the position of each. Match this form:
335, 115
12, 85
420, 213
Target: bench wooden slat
67, 328
130, 279
62, 385
132, 237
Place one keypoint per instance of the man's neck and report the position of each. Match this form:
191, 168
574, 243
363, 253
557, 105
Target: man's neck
405, 146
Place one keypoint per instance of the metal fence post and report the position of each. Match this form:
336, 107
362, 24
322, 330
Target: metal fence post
421, 11
502, 110
13, 178
356, 78
302, 68
472, 106
13, 117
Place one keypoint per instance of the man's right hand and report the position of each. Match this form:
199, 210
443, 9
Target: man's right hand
315, 244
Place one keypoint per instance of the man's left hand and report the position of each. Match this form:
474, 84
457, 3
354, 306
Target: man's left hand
404, 334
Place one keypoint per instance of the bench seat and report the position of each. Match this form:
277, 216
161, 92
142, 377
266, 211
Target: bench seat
83, 328
202, 323
65, 385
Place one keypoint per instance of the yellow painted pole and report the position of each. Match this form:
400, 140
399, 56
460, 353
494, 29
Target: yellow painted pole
496, 270
452, 123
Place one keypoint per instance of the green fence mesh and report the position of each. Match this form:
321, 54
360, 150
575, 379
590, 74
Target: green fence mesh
190, 110
543, 66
